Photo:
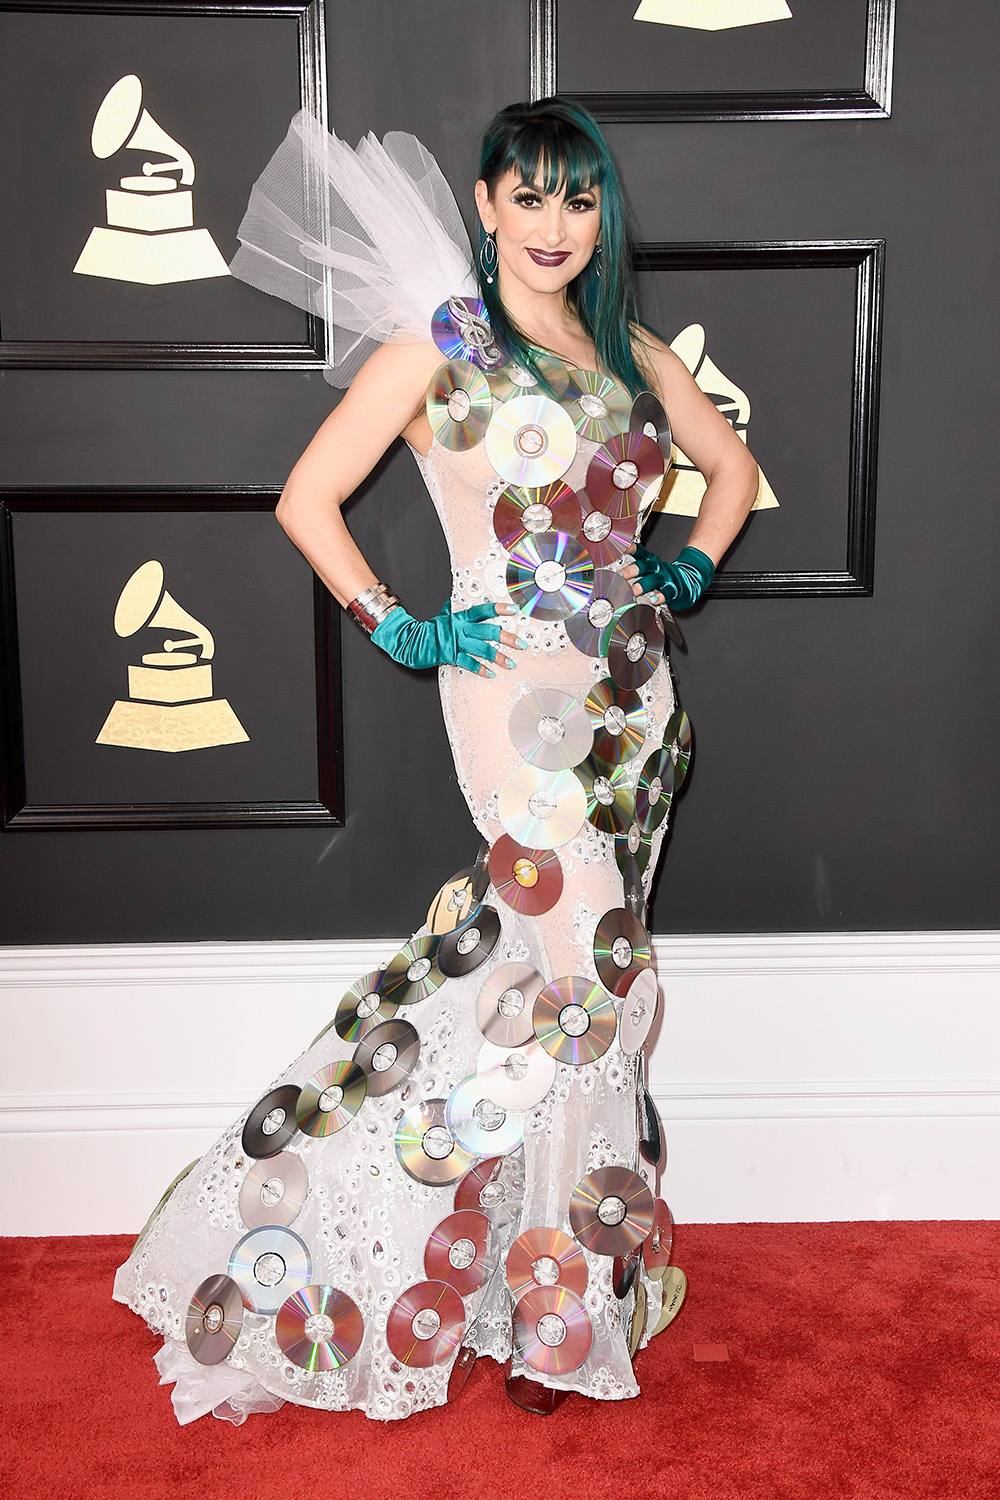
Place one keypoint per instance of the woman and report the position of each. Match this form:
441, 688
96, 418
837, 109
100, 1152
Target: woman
453, 1167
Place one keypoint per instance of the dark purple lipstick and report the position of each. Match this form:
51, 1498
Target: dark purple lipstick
549, 257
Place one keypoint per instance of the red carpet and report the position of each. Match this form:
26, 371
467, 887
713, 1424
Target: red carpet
864, 1361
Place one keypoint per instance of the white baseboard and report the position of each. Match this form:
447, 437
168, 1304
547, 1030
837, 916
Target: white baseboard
799, 1077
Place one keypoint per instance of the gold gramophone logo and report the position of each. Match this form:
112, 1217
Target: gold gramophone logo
712, 15
150, 235
170, 704
684, 486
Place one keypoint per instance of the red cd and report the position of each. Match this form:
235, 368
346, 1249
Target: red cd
529, 880
456, 1251
319, 1328
545, 1257
611, 1211
426, 1324
658, 1244
552, 1332
481, 1188
520, 512
621, 471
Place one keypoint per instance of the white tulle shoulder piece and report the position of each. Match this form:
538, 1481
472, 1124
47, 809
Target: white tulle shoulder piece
370, 240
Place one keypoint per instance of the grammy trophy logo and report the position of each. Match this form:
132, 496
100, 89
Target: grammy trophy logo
712, 15
150, 236
170, 704
683, 487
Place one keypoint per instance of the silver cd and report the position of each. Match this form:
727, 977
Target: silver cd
505, 1003
654, 790
268, 1265
638, 1011
550, 575
591, 626
463, 950
515, 1077
599, 406
388, 1055
635, 646
530, 441
426, 1147
480, 1124
608, 790
271, 1123
648, 417
551, 729
542, 809
413, 974
458, 405
214, 1319
512, 379
274, 1190
677, 742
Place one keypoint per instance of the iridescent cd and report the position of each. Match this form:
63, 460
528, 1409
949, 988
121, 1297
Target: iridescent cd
426, 1324
638, 1324
542, 809
574, 1020
619, 721
461, 329
673, 1287
611, 1211
621, 949
545, 1257
552, 1330
635, 646
635, 844
274, 1190
453, 903
456, 1251
481, 873
621, 471
677, 741
482, 1187
589, 628
513, 379
465, 1360
599, 405
458, 406
413, 974
657, 1246
670, 626
551, 729
650, 1134
515, 1077
388, 1055
530, 441
608, 789
319, 1328
468, 946
480, 1124
331, 1098
549, 576
519, 513
633, 894
268, 1265
623, 1273
503, 1010
648, 417
271, 1123
529, 880
363, 1007
638, 1011
654, 790
426, 1148
214, 1319
606, 538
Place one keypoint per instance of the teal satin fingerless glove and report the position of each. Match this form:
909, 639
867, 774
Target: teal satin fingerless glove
459, 640
681, 583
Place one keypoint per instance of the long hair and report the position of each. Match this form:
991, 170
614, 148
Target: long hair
558, 143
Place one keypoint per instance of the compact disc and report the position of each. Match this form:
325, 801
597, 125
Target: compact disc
551, 729
526, 512
619, 721
621, 949
650, 1134
633, 894
465, 1359
598, 405
426, 1148
456, 1251
621, 471
388, 1054
654, 790
552, 1330
362, 1008
659, 1242
458, 405
530, 441
274, 1190
635, 646
606, 538
589, 628
503, 1009
482, 1187
453, 903
516, 1077
468, 946
638, 1324
608, 790
271, 1123
648, 417
529, 880
545, 1257
319, 1328
426, 1324
673, 1288
512, 379
481, 873
670, 625
331, 1098
481, 1125
413, 974
638, 1011
268, 1265
542, 809
574, 1020
611, 1211
461, 329
214, 1319
623, 1271
633, 843
677, 741
549, 575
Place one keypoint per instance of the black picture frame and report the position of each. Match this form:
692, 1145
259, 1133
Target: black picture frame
867, 259
17, 813
872, 101
24, 354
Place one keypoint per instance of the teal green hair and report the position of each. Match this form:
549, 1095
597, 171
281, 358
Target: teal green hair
557, 144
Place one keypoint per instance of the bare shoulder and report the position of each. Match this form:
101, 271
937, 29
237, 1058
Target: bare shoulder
671, 373
399, 368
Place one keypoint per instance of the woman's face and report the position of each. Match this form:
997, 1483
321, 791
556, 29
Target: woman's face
543, 240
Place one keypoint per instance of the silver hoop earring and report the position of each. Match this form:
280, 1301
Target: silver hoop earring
489, 259
597, 259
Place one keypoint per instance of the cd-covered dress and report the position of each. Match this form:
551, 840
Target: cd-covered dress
460, 1164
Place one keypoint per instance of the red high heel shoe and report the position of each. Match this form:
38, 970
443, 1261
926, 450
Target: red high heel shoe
532, 1396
